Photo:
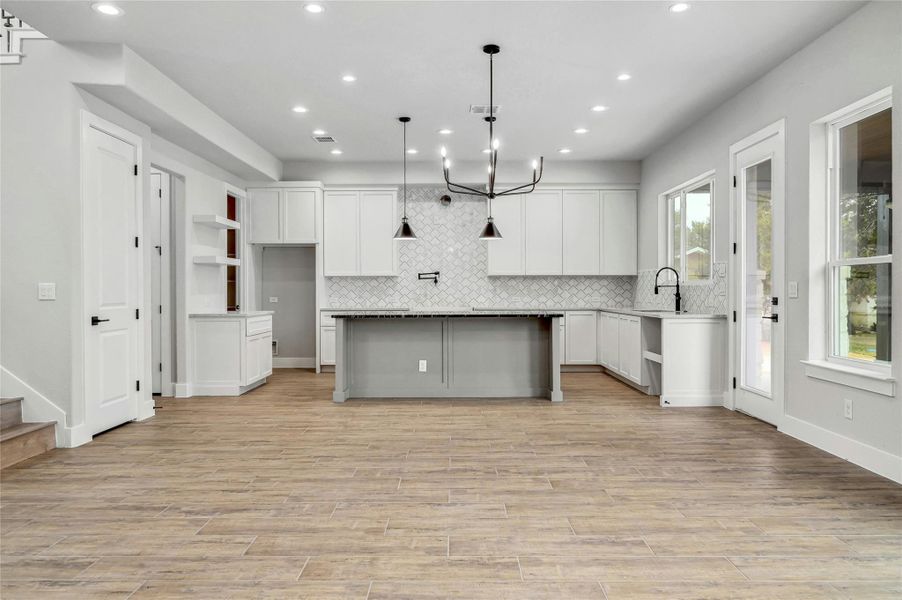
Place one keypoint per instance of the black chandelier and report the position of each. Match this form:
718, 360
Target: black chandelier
490, 231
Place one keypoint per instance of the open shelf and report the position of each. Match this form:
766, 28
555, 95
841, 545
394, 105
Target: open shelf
216, 260
216, 222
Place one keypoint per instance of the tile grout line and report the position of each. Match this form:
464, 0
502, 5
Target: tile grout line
298, 578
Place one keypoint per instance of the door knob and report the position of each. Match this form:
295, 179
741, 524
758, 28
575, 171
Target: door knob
95, 320
774, 318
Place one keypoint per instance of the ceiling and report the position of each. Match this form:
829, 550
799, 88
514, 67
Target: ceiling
252, 61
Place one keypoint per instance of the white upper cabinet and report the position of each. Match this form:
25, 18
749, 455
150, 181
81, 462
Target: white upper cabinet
299, 217
619, 233
358, 232
543, 219
283, 215
581, 232
265, 210
506, 256
378, 248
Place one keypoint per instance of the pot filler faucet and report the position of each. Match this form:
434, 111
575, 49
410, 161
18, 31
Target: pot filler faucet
676, 296
431, 276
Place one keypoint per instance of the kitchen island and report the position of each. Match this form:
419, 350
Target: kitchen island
447, 354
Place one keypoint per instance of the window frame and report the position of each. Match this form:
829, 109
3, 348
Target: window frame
834, 260
680, 191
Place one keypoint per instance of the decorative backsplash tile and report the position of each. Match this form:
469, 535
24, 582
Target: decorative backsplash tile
709, 297
448, 242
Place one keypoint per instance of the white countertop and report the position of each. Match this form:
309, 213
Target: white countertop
653, 314
231, 315
661, 314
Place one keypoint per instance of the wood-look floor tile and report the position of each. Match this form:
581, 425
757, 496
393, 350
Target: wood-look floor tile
574, 568
149, 544
218, 569
43, 567
347, 543
56, 589
547, 545
411, 568
731, 544
815, 568
734, 590
880, 545
254, 590
877, 590
482, 590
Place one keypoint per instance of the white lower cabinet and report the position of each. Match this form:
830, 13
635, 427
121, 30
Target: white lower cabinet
610, 341
327, 345
630, 334
581, 346
231, 353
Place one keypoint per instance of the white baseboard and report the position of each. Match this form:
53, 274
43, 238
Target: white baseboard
225, 389
873, 459
289, 362
183, 390
689, 400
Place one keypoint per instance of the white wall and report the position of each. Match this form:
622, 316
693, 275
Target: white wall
338, 172
860, 56
289, 274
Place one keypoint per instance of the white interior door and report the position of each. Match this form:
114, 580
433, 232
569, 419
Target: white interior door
759, 220
110, 277
155, 230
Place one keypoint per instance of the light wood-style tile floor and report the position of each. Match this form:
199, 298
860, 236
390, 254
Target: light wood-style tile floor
283, 494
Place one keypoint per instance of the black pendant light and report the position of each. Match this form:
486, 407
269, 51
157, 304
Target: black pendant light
490, 231
405, 231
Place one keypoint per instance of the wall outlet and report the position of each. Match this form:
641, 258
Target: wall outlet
793, 289
46, 291
273, 299
422, 366
847, 412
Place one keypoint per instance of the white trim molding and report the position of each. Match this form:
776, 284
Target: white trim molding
293, 362
862, 379
873, 459
37, 408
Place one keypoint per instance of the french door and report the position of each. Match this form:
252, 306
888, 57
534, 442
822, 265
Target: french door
757, 164
110, 277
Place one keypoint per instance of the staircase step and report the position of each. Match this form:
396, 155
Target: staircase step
25, 440
10, 412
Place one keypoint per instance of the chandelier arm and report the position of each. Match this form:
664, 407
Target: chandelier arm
472, 191
531, 186
465, 193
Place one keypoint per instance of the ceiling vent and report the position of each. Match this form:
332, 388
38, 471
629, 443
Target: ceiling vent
324, 139
483, 109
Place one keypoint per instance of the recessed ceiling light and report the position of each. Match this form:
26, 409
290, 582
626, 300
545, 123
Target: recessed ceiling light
336, 151
564, 150
599, 108
679, 7
313, 7
299, 109
624, 77
445, 131
105, 8
580, 130
349, 78
319, 132
411, 151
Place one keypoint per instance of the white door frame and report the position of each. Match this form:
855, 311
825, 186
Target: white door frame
166, 238
144, 409
775, 130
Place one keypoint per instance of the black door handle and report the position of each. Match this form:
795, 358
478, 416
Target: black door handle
95, 320
774, 318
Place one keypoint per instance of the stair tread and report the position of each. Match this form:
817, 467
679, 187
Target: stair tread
10, 400
9, 433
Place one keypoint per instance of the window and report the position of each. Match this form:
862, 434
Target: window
859, 260
689, 219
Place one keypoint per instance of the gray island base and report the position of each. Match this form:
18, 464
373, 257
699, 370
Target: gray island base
400, 354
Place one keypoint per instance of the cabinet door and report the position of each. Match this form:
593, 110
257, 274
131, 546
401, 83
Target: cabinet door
265, 218
630, 353
341, 226
619, 233
327, 346
581, 234
581, 338
564, 341
378, 248
266, 354
253, 365
505, 256
299, 217
544, 230
611, 341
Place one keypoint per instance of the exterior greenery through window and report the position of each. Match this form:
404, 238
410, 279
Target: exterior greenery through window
689, 218
860, 262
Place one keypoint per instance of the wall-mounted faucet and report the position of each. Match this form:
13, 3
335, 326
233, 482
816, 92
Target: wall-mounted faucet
432, 276
676, 296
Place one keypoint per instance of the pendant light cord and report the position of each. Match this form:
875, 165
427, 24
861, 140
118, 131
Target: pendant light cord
492, 150
405, 170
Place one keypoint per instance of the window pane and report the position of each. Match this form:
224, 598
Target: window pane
698, 232
863, 312
865, 187
676, 232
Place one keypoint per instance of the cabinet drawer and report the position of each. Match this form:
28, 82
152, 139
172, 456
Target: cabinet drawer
257, 325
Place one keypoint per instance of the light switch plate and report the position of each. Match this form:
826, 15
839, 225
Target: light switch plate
847, 412
273, 299
46, 291
422, 366
793, 289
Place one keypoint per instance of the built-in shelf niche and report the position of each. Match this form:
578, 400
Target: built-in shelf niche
216, 260
216, 222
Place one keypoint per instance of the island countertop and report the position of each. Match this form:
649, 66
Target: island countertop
441, 314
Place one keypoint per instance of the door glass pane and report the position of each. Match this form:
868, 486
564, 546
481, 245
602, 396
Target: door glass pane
864, 312
698, 232
757, 273
676, 231
865, 187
